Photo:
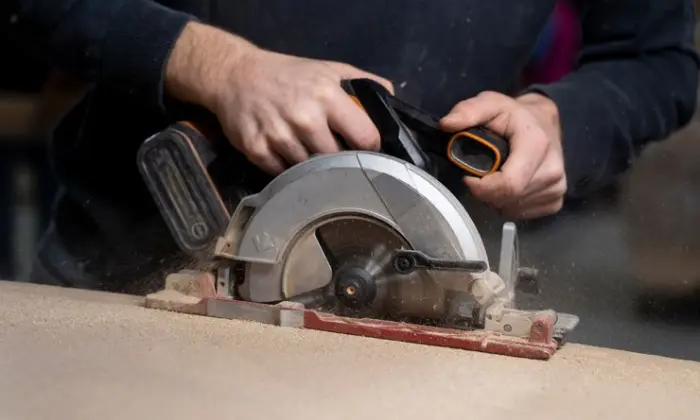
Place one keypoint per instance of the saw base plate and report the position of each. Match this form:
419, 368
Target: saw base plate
195, 293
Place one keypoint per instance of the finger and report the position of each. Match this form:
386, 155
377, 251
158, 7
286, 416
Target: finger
245, 135
262, 156
254, 144
541, 203
492, 190
478, 190
488, 189
547, 193
538, 184
310, 126
541, 189
527, 141
346, 71
321, 140
352, 123
287, 146
528, 147
479, 110
267, 160
551, 173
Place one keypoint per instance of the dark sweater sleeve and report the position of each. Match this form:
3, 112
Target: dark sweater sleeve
122, 43
636, 82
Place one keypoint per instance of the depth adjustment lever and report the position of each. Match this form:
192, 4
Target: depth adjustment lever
406, 261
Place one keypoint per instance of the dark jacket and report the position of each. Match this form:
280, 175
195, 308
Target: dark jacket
635, 82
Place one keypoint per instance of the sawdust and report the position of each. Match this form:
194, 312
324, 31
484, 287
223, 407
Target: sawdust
118, 360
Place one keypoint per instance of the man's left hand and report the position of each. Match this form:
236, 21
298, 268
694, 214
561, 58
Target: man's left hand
532, 182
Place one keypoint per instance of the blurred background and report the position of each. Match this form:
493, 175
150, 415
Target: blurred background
626, 260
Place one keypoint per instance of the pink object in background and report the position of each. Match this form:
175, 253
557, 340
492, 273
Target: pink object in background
558, 46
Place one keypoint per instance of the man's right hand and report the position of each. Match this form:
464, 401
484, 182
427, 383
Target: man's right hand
276, 109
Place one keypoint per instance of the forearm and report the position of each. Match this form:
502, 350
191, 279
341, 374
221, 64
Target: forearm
200, 63
123, 44
625, 93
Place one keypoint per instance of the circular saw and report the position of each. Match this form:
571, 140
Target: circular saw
357, 242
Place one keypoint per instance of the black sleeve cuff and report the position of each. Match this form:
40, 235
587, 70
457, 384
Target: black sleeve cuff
590, 160
137, 47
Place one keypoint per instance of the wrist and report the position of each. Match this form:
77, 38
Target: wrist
544, 108
203, 58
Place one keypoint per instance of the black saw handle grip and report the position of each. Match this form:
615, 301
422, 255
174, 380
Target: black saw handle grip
396, 138
477, 151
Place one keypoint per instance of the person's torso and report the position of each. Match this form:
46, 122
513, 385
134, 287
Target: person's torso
436, 52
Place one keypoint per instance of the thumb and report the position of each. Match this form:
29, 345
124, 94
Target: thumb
479, 110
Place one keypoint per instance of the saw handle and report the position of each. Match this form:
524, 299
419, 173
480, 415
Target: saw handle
477, 151
396, 138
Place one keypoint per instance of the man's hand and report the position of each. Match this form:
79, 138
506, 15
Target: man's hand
532, 182
276, 109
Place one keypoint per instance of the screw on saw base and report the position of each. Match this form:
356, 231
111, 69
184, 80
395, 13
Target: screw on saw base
404, 264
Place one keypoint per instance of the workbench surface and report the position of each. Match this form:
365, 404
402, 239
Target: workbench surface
70, 354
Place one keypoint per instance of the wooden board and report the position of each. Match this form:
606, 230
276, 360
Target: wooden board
83, 355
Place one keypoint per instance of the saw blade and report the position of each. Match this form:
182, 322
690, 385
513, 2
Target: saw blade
364, 281
358, 252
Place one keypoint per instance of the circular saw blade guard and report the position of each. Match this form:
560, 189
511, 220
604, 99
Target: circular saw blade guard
273, 231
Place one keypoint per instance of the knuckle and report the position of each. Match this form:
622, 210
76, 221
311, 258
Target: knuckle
513, 187
540, 140
271, 137
556, 206
561, 188
463, 106
367, 139
336, 68
273, 133
558, 164
493, 96
554, 171
326, 91
389, 85
488, 94
257, 150
279, 142
558, 174
306, 117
